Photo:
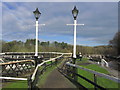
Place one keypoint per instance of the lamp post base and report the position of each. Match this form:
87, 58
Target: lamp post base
74, 60
36, 60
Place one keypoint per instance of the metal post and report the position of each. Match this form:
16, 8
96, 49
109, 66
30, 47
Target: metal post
75, 76
74, 69
51, 63
36, 60
36, 46
95, 81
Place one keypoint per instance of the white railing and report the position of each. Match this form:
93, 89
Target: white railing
11, 62
33, 52
103, 62
35, 71
13, 78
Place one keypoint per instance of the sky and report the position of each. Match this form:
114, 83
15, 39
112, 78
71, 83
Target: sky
100, 19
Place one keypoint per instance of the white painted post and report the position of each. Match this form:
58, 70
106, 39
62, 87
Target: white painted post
17, 56
36, 46
24, 56
102, 63
74, 49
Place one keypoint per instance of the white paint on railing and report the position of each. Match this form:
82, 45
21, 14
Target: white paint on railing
1, 60
12, 62
35, 71
103, 62
13, 78
33, 52
33, 76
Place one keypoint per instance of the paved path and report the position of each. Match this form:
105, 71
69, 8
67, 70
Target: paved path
57, 80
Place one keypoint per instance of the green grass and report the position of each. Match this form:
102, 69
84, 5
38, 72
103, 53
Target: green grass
84, 60
96, 68
16, 84
106, 83
50, 62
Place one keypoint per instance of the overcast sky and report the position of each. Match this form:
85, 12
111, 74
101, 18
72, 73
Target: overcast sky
100, 19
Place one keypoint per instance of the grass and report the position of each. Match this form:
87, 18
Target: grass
49, 62
16, 84
97, 68
23, 84
84, 60
106, 83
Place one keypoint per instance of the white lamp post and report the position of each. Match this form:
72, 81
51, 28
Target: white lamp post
37, 15
75, 13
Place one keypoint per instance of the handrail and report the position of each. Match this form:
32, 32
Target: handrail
12, 62
33, 52
94, 72
14, 78
35, 71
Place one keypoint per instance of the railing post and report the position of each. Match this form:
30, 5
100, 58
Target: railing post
29, 80
75, 76
55, 61
45, 66
95, 81
67, 70
51, 63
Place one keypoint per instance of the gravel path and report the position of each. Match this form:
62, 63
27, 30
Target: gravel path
113, 72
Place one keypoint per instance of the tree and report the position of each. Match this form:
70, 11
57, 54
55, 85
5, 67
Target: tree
116, 42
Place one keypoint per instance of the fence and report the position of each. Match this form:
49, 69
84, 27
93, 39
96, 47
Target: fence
33, 79
16, 68
70, 72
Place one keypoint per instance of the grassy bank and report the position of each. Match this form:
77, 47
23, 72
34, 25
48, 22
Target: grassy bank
16, 84
100, 80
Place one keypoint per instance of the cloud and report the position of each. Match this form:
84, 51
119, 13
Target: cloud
61, 1
100, 21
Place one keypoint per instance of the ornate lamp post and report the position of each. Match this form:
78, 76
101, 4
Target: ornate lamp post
37, 15
75, 13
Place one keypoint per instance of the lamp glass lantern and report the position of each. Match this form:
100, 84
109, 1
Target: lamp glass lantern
75, 12
37, 14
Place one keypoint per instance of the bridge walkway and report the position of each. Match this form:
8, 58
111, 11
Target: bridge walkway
57, 80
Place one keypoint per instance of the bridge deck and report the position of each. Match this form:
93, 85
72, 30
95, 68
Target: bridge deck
57, 80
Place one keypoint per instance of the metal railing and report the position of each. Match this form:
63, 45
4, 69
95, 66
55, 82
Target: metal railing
96, 73
70, 71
